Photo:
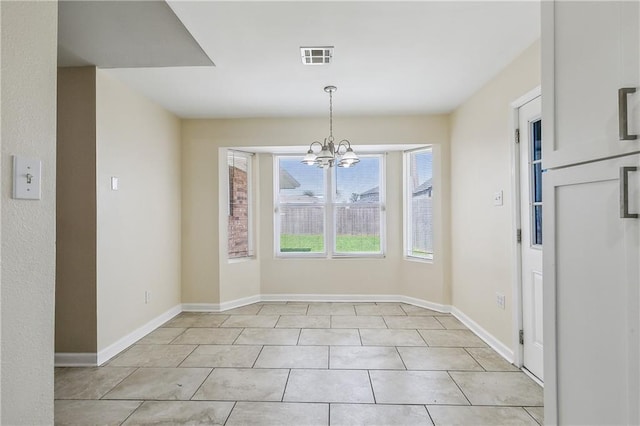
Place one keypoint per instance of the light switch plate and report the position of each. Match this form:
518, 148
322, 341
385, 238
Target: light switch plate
497, 198
27, 174
114, 183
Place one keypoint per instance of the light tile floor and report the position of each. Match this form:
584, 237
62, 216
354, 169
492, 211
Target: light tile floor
303, 364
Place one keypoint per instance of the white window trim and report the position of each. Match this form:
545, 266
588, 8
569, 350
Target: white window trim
251, 254
407, 216
329, 215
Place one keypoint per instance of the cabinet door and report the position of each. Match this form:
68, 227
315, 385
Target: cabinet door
590, 50
591, 297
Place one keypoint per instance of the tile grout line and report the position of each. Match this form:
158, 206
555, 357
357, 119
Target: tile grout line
238, 336
230, 411
403, 310
200, 387
440, 322
371, 384
175, 338
423, 338
256, 360
531, 415
401, 359
386, 324
188, 355
132, 413
286, 383
474, 358
429, 414
461, 391
116, 385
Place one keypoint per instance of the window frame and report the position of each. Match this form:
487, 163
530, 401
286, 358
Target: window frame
408, 208
249, 157
329, 209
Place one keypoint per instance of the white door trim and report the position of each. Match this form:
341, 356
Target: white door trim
516, 269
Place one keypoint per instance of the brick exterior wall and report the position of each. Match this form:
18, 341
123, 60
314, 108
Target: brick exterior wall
238, 232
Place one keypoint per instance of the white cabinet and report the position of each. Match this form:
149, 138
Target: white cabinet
591, 297
591, 259
590, 50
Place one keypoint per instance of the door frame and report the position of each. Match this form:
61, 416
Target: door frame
516, 268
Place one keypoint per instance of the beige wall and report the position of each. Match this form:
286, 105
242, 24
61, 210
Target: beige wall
75, 307
138, 231
28, 97
481, 233
208, 278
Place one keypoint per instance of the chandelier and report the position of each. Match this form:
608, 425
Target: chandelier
329, 153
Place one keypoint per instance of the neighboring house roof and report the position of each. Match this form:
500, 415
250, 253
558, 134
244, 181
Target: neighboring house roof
424, 188
287, 181
372, 191
372, 194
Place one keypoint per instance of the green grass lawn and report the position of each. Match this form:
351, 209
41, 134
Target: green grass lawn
315, 243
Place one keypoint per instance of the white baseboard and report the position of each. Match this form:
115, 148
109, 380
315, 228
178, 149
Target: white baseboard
112, 350
445, 309
220, 307
393, 298
200, 307
488, 338
329, 298
73, 359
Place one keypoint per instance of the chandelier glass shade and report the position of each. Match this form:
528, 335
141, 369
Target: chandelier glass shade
328, 154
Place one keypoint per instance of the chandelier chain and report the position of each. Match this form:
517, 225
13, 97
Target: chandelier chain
329, 154
331, 115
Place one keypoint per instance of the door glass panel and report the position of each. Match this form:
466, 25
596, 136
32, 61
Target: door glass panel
536, 136
537, 225
536, 182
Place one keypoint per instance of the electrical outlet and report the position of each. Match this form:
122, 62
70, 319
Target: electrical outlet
500, 300
147, 297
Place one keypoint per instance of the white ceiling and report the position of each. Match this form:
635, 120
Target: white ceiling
390, 58
121, 34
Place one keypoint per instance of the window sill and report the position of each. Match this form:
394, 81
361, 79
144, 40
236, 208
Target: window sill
241, 259
427, 260
334, 257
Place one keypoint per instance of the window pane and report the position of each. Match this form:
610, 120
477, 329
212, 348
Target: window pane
420, 185
301, 229
299, 183
358, 228
358, 184
357, 201
238, 219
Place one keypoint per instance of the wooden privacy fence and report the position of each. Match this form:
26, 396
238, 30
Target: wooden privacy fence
357, 219
422, 224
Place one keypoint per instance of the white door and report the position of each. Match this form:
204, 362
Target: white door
530, 125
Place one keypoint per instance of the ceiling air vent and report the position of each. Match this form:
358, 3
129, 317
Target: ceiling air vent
316, 55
